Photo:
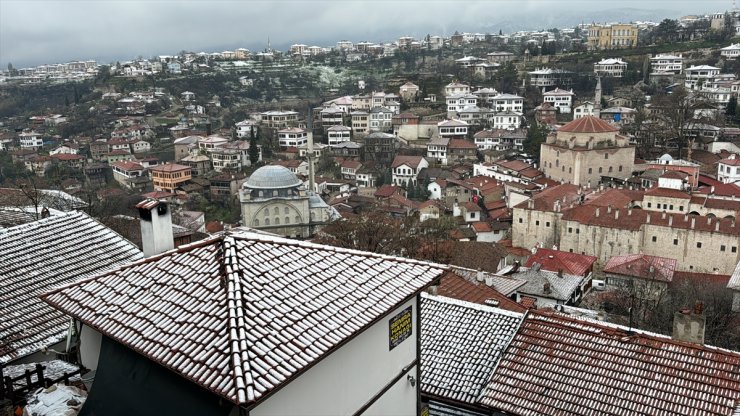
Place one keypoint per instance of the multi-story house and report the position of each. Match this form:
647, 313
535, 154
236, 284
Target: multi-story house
700, 75
207, 144
560, 99
665, 63
338, 134
380, 147
381, 119
457, 102
452, 129
610, 67
279, 119
245, 128
455, 87
437, 150
509, 103
548, 77
728, 170
130, 175
292, 137
614, 36
169, 176
360, 122
499, 139
405, 169
30, 140
731, 52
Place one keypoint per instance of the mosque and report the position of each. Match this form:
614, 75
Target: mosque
275, 200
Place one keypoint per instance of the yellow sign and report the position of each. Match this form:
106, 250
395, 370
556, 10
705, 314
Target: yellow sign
399, 328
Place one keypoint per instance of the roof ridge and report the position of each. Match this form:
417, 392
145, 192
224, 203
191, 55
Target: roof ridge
241, 369
252, 236
471, 305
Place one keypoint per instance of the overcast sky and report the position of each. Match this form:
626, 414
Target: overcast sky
34, 32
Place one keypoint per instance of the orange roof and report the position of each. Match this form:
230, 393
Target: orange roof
588, 124
555, 260
457, 287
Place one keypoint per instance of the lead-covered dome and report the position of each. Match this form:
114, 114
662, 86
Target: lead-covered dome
273, 177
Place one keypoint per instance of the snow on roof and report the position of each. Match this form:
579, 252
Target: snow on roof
454, 364
39, 256
240, 314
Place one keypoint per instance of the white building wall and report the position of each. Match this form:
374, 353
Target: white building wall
348, 378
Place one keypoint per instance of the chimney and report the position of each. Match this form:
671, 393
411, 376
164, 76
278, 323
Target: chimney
693, 223
670, 220
609, 209
688, 324
560, 273
546, 287
489, 281
647, 219
716, 225
597, 212
479, 275
662, 216
156, 227
616, 214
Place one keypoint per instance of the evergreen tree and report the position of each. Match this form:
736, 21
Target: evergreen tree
411, 191
731, 107
254, 151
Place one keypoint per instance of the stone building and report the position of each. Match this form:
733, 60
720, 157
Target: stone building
275, 200
619, 222
585, 150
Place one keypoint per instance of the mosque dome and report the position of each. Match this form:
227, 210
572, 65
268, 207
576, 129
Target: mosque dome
272, 177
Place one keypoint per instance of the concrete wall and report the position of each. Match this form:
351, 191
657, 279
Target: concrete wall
349, 377
526, 232
582, 167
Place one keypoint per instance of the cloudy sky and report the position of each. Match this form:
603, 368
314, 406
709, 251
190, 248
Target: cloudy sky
33, 32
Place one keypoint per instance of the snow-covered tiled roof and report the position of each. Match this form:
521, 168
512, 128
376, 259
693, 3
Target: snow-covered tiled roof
559, 365
240, 314
39, 256
461, 343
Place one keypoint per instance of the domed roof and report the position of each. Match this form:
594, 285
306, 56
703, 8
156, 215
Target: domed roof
273, 177
588, 124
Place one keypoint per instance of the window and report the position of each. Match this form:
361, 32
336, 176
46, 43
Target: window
590, 170
472, 215
277, 221
267, 212
698, 244
675, 241
601, 169
578, 230
267, 221
606, 156
297, 219
655, 239
285, 211
570, 230
680, 207
520, 220
671, 207
650, 204
537, 223
722, 247
256, 222
547, 224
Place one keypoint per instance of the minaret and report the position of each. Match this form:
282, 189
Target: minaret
597, 98
309, 151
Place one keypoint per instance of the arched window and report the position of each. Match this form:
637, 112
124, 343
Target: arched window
276, 210
286, 210
256, 222
297, 219
267, 221
277, 221
610, 169
266, 212
287, 220
601, 169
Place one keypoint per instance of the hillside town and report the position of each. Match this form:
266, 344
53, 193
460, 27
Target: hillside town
532, 223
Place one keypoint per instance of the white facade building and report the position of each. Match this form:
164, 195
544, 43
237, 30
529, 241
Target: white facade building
293, 137
560, 99
508, 103
728, 170
610, 67
667, 63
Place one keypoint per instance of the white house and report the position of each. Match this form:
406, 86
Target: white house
610, 67
508, 103
244, 128
731, 52
456, 88
30, 140
728, 170
452, 128
360, 356
437, 149
585, 109
697, 76
457, 102
667, 63
338, 134
405, 169
381, 119
560, 99
292, 137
